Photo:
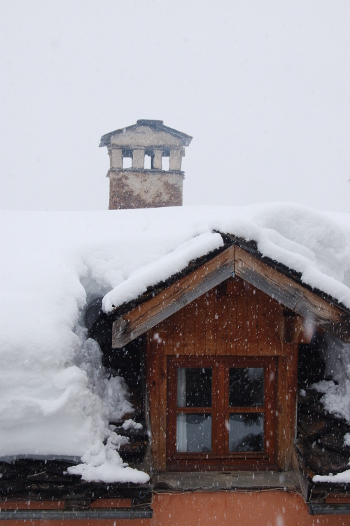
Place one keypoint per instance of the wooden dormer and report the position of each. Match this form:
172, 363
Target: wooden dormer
222, 360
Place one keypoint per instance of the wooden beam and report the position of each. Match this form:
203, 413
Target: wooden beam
173, 298
301, 473
293, 295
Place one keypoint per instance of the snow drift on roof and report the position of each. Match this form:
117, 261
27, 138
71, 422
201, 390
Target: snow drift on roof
53, 402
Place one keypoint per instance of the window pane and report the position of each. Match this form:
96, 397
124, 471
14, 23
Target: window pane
246, 432
193, 387
246, 387
193, 433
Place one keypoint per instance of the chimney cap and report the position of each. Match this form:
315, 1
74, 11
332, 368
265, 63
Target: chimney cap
148, 122
151, 123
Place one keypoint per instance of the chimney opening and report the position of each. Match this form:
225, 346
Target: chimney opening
165, 162
127, 162
127, 159
148, 162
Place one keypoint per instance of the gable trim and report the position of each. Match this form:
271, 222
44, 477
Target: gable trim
242, 263
292, 295
170, 300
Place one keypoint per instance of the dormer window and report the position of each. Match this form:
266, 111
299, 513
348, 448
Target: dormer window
221, 412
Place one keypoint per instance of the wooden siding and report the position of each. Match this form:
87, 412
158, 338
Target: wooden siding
232, 319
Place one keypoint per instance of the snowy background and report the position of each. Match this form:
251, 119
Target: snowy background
262, 86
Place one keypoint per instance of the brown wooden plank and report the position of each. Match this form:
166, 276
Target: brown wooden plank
220, 435
270, 318
222, 321
281, 412
275, 311
232, 287
200, 335
162, 408
292, 383
298, 329
162, 334
286, 407
171, 409
241, 317
263, 334
293, 295
178, 333
279, 330
153, 397
289, 324
172, 299
168, 326
301, 473
270, 407
210, 323
252, 320
276, 345
189, 315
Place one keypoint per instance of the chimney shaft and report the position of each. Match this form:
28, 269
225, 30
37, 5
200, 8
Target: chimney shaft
145, 165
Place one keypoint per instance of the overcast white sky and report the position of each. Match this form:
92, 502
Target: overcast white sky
262, 86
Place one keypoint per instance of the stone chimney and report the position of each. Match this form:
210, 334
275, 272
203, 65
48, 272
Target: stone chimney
145, 165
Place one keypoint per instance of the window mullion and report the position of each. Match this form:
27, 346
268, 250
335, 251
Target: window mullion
270, 407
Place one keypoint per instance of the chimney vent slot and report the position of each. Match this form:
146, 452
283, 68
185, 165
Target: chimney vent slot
165, 163
148, 162
127, 162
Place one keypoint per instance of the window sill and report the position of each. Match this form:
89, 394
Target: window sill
224, 481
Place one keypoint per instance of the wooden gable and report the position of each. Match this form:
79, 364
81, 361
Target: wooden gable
234, 308
232, 319
234, 261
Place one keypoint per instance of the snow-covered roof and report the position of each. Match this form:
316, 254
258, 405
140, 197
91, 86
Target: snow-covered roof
55, 398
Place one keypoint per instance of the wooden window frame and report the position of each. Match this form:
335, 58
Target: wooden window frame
220, 458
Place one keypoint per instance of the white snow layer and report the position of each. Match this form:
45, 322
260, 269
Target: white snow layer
55, 398
339, 478
336, 397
